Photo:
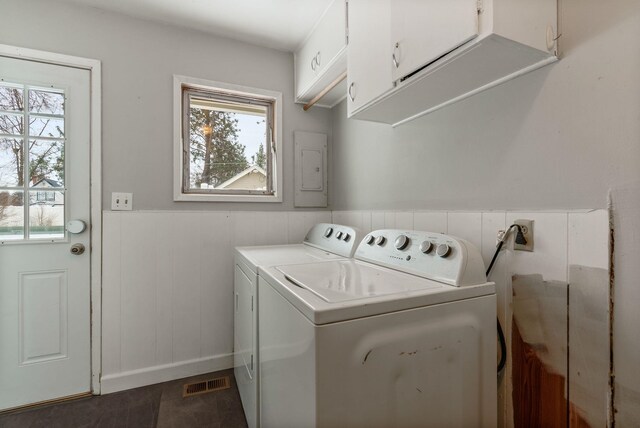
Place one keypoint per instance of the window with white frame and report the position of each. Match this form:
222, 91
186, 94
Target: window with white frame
227, 142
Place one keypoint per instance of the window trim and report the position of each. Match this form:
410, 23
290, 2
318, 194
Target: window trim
179, 195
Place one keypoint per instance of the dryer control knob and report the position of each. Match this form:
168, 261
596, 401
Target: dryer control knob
401, 242
346, 237
328, 232
426, 247
443, 250
339, 235
369, 239
380, 240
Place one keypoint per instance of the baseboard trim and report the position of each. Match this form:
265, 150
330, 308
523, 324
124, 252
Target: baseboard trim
163, 373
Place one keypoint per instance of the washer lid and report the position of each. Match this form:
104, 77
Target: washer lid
341, 290
340, 282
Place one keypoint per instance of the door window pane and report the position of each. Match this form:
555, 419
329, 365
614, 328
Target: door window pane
11, 98
11, 215
46, 163
32, 163
46, 102
46, 214
11, 124
46, 127
11, 172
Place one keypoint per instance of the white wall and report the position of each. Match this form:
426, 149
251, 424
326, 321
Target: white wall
138, 61
558, 138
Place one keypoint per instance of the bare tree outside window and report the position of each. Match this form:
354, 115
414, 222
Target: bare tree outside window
46, 157
216, 153
227, 137
32, 140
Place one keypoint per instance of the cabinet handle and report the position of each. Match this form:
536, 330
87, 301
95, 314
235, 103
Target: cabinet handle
318, 58
313, 64
350, 92
396, 62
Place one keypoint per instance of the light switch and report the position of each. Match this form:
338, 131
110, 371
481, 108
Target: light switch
121, 201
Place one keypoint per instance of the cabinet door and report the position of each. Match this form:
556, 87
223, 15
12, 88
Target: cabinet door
326, 41
424, 30
369, 72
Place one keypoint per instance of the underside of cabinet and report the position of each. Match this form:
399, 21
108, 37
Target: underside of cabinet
468, 70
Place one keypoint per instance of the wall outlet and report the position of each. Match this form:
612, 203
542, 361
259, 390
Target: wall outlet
527, 231
121, 201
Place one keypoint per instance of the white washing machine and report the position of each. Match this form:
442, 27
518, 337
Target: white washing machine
324, 242
403, 335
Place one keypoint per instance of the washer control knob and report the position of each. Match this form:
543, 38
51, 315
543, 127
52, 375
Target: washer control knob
401, 242
380, 240
443, 250
426, 247
369, 239
339, 235
328, 232
346, 237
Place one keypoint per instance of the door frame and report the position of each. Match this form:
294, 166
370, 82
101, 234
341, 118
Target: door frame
94, 68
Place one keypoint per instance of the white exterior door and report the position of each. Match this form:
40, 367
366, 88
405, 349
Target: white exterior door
44, 183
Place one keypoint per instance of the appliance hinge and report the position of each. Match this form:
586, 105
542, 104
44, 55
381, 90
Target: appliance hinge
480, 4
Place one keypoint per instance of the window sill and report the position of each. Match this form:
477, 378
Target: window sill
189, 197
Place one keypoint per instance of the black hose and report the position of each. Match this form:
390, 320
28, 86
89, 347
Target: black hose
503, 343
503, 348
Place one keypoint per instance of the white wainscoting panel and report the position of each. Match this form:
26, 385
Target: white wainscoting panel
430, 221
467, 226
168, 288
168, 276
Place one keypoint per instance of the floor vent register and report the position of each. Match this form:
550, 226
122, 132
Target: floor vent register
206, 386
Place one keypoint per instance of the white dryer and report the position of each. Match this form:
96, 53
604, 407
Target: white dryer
403, 335
324, 242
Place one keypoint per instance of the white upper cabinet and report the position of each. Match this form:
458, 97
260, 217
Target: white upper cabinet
410, 57
369, 61
423, 31
322, 57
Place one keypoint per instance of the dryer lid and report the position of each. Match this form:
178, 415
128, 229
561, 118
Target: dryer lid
341, 281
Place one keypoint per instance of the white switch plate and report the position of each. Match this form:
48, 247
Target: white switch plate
121, 201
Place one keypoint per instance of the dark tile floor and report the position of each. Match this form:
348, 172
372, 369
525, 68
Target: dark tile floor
151, 406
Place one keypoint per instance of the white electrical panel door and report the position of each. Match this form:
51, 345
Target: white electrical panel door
312, 166
423, 31
310, 169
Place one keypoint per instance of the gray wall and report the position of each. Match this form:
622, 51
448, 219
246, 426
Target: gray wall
558, 138
138, 60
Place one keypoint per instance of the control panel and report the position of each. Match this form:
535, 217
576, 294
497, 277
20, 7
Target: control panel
443, 258
334, 238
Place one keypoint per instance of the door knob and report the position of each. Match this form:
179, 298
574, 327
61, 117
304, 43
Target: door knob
77, 249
